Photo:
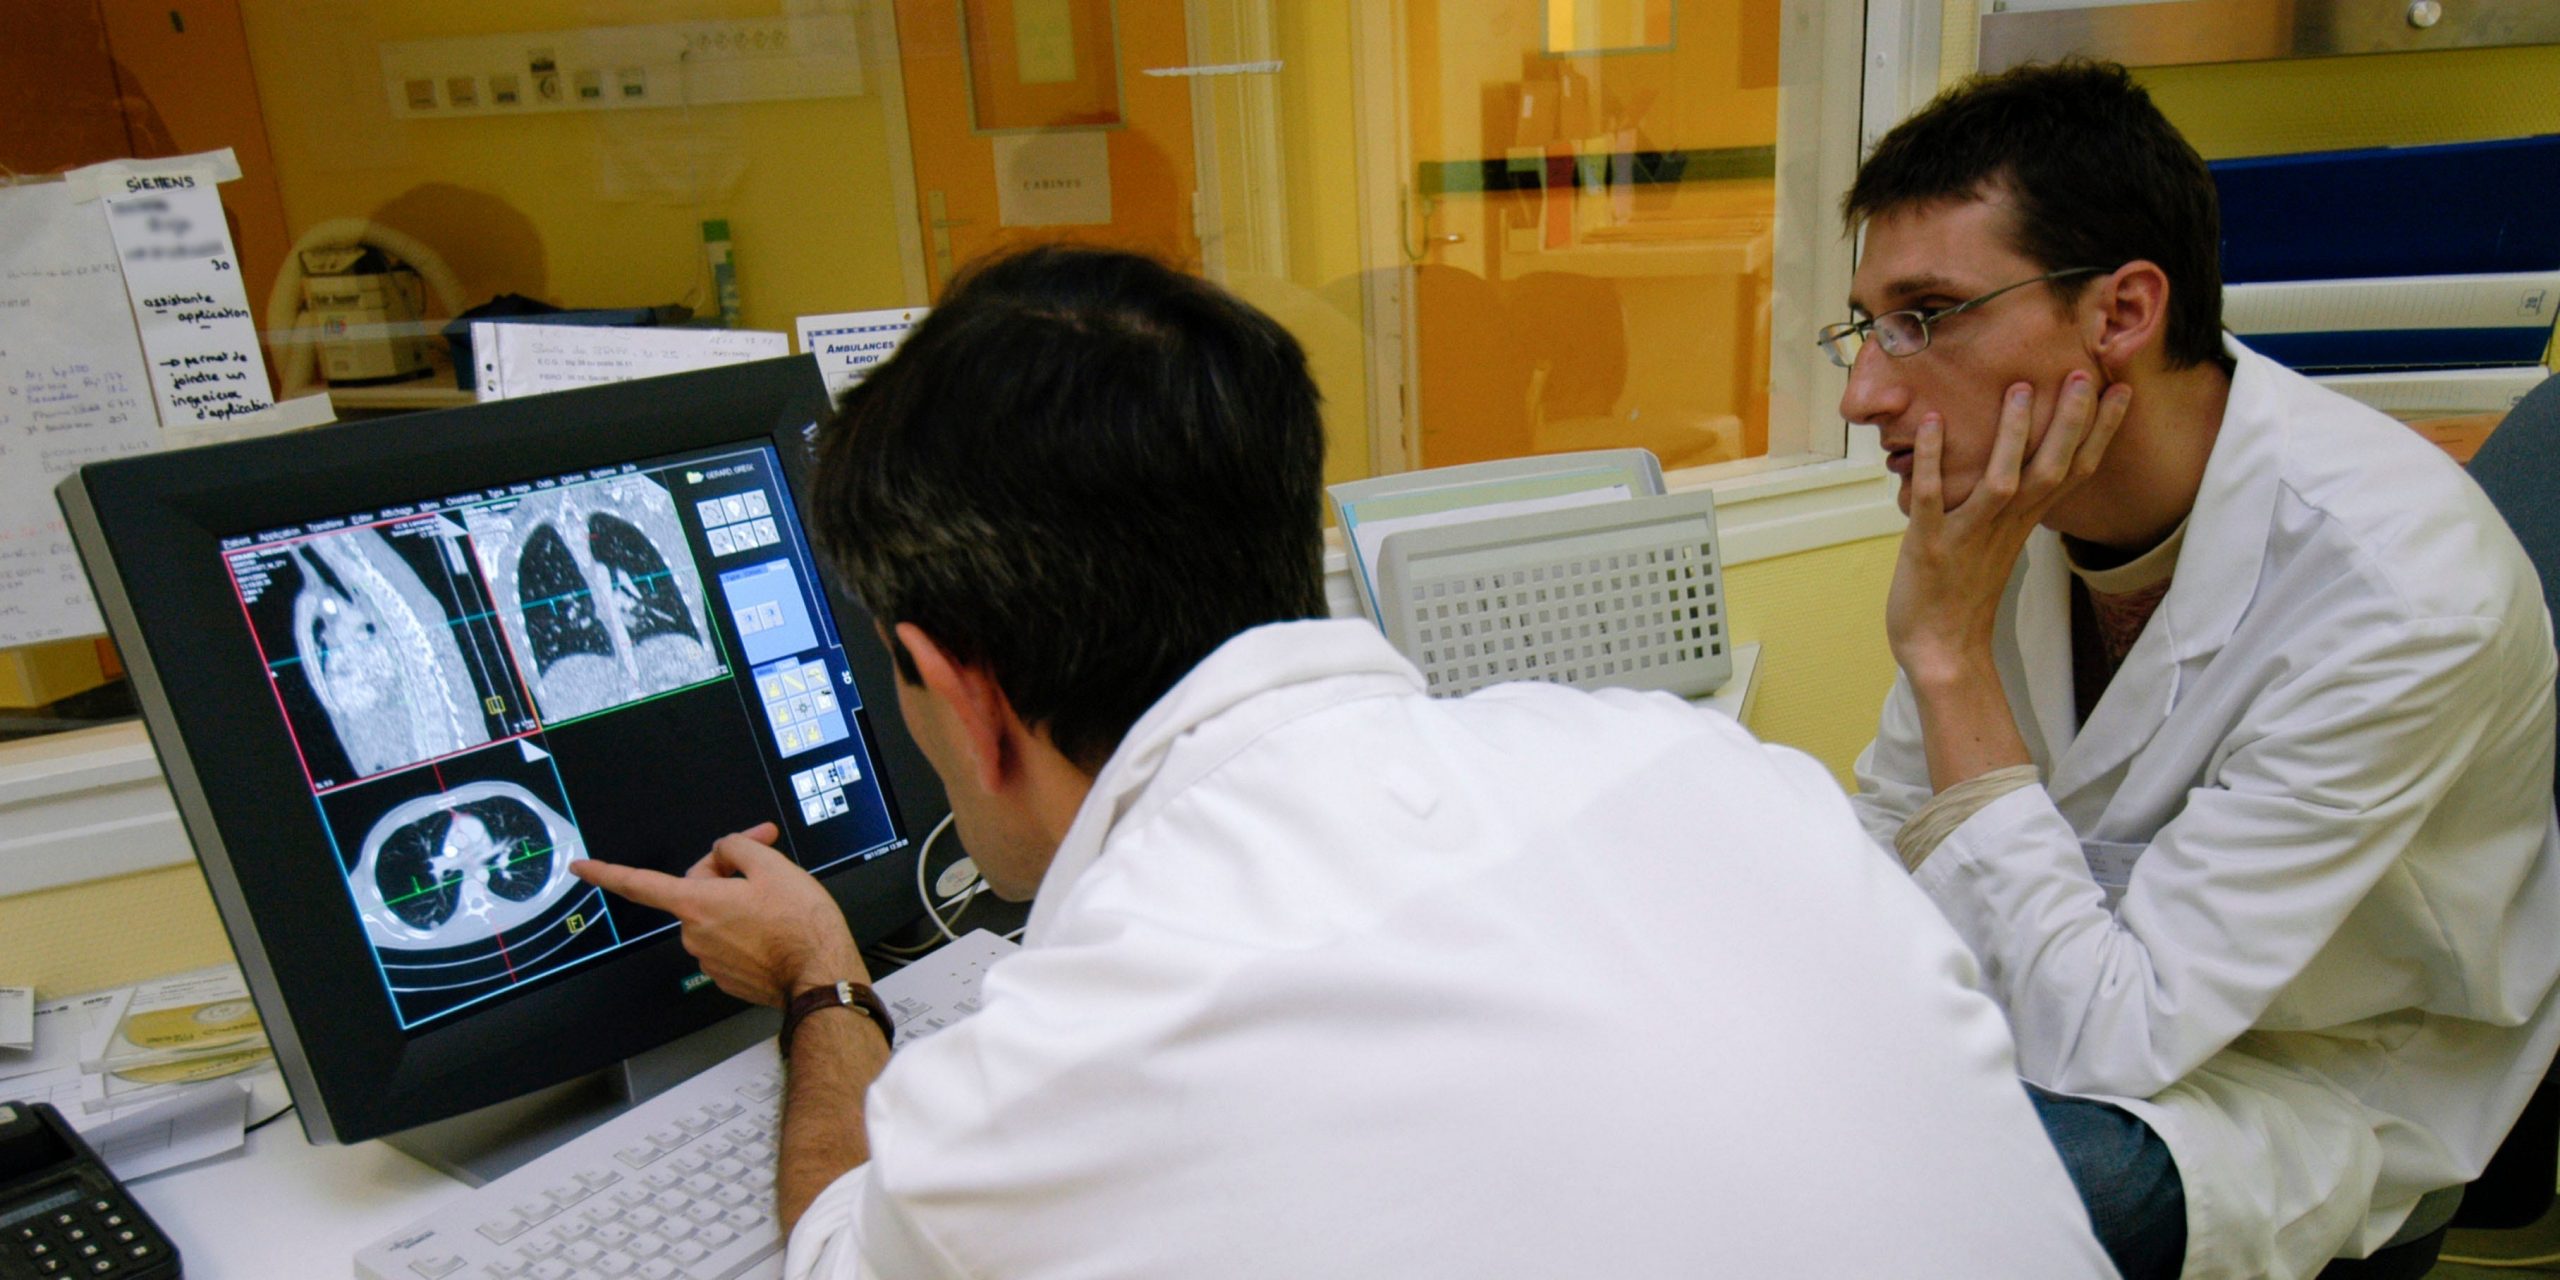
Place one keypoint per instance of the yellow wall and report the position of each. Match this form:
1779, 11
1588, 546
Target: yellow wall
1818, 617
533, 203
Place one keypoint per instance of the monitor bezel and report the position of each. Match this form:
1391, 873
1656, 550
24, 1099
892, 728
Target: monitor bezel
150, 531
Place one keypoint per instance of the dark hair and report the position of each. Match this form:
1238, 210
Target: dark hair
1085, 471
2097, 176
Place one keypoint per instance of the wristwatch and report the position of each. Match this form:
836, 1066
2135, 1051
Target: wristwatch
850, 994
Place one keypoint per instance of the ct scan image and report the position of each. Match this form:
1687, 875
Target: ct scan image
460, 876
382, 646
601, 601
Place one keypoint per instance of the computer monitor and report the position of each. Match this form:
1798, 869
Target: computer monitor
401, 674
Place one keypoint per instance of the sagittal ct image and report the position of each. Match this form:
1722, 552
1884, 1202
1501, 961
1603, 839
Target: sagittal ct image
602, 603
462, 877
382, 647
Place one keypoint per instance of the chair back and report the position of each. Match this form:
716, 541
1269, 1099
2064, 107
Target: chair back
2519, 467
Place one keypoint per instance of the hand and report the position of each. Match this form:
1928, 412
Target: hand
764, 929
1954, 565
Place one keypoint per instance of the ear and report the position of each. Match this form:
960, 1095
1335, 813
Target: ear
2128, 315
973, 704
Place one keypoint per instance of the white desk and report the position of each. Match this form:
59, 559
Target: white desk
285, 1208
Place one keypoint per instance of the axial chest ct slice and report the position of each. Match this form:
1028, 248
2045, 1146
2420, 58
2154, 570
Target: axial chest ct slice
463, 867
602, 603
380, 656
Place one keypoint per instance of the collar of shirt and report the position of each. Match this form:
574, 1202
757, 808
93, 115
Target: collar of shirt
1255, 682
2236, 503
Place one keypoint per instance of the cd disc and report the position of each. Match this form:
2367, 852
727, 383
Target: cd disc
195, 1026
188, 1070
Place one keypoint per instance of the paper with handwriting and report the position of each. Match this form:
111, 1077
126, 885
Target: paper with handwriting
73, 389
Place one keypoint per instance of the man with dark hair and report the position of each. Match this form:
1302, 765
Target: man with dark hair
2224, 729
1325, 977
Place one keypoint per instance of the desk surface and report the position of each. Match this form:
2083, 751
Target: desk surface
283, 1207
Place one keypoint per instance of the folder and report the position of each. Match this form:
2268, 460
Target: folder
2439, 391
2451, 209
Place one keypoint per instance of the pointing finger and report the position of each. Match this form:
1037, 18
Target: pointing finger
648, 888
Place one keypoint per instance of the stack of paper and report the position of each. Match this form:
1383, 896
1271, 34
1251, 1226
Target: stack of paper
137, 1127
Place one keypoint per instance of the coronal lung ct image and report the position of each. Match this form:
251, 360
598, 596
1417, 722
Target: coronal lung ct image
601, 600
382, 646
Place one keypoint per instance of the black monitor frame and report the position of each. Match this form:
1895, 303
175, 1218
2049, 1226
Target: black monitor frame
150, 531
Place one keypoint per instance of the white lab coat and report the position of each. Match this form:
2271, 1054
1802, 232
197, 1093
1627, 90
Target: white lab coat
2293, 888
1333, 979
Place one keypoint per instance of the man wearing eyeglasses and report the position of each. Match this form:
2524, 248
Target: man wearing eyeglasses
2224, 728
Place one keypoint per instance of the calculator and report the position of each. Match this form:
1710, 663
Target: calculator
62, 1213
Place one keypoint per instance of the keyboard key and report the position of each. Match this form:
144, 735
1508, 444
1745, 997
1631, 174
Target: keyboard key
639, 1155
642, 1218
584, 1252
703, 1213
662, 1179
658, 1269
612, 1235
692, 1162
501, 1229
598, 1179
715, 1235
552, 1269
536, 1210
596, 1215
670, 1138
436, 1267
743, 1218
689, 1251
613, 1264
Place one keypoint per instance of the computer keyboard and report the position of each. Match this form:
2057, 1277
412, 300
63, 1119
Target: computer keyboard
680, 1185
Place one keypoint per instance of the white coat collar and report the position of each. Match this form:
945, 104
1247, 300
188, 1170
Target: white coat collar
1255, 681
2217, 577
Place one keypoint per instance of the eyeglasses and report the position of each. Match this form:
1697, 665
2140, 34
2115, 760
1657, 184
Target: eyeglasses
1906, 333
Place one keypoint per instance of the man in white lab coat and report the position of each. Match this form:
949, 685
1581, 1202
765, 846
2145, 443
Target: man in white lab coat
2224, 729
1325, 977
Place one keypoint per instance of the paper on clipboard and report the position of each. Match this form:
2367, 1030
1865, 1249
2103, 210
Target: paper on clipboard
531, 359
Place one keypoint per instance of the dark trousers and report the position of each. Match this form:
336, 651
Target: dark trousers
2126, 1178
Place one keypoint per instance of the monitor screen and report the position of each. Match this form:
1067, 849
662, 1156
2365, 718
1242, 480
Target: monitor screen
403, 674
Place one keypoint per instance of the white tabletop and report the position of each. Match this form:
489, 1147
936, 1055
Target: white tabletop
283, 1207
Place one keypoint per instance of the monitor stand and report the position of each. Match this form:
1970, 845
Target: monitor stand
480, 1146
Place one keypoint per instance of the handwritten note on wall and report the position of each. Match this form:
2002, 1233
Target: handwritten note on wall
73, 389
184, 280
530, 359
848, 343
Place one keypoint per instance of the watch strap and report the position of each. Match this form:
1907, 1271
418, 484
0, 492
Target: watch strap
852, 995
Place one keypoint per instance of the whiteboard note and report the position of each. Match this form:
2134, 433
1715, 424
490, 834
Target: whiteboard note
184, 279
848, 343
530, 359
73, 389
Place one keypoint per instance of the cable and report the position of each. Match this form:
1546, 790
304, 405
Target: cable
924, 854
288, 1107
2543, 1260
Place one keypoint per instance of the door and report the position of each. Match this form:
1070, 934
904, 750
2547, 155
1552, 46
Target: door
1037, 120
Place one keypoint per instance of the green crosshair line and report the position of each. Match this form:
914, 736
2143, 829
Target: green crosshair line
441, 885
